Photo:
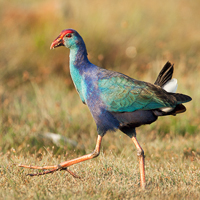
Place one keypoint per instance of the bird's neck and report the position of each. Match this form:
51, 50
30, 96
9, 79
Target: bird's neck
78, 65
78, 56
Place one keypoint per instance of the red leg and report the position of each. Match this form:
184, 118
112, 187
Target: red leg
140, 154
64, 165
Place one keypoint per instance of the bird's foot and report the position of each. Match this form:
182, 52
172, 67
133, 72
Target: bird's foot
48, 170
63, 166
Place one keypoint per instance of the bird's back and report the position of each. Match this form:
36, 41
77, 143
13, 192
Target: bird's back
121, 101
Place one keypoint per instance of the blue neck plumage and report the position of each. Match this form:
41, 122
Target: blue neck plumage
78, 56
78, 63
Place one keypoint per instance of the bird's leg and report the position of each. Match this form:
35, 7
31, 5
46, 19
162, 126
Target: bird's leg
140, 154
64, 165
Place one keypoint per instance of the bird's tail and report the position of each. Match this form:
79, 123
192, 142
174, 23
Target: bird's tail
165, 74
181, 98
170, 85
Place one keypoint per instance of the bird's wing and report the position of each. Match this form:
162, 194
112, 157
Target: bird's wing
121, 93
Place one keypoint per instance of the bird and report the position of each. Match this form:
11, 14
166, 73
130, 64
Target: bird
116, 101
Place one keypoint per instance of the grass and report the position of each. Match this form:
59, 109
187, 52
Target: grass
37, 97
171, 174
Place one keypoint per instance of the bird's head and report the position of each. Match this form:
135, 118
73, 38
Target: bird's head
68, 38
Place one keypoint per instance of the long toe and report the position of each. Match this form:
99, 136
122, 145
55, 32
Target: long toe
38, 167
72, 173
43, 173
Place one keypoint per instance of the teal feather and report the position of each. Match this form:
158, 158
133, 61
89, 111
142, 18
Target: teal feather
123, 94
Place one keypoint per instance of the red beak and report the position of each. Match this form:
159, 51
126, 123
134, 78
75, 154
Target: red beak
57, 43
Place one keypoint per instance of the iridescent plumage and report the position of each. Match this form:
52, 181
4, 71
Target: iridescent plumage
115, 100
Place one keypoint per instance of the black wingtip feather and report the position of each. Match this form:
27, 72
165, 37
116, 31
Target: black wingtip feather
181, 98
165, 74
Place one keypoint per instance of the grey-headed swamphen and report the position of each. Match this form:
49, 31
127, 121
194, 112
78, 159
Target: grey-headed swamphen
115, 100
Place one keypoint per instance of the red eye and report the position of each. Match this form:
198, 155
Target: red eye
68, 35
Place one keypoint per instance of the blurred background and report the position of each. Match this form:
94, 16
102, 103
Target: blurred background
133, 37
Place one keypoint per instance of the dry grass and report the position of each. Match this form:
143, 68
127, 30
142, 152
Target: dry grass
37, 96
172, 173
